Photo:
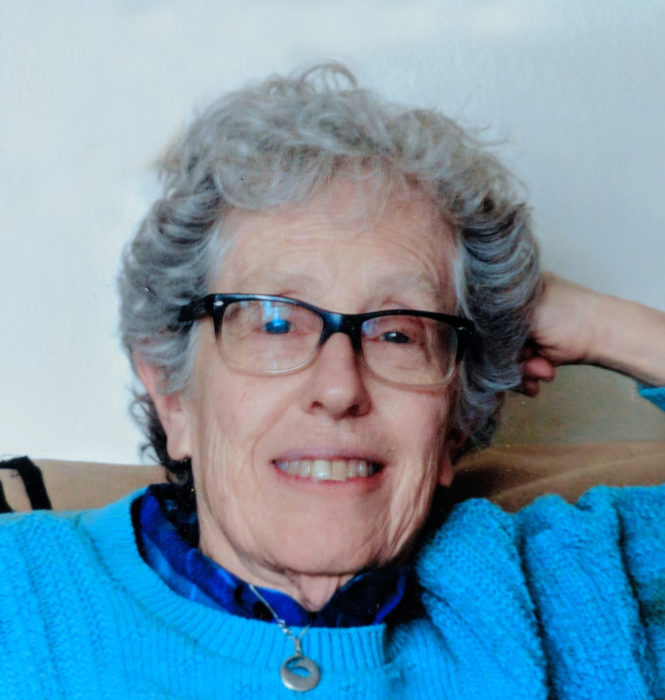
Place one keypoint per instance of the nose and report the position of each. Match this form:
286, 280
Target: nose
335, 384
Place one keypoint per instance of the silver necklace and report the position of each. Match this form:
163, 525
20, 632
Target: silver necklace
287, 671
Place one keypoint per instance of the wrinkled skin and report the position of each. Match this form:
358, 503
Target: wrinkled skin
344, 251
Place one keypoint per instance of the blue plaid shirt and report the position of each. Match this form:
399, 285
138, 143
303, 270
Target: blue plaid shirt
168, 540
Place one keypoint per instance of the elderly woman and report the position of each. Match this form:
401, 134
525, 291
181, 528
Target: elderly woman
325, 309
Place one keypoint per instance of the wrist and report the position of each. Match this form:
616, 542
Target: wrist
595, 328
628, 337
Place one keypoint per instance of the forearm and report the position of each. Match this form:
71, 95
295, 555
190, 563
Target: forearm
630, 338
576, 325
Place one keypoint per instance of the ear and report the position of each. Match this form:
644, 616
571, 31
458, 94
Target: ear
170, 408
452, 450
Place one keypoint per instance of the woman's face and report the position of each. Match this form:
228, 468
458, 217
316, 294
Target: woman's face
345, 252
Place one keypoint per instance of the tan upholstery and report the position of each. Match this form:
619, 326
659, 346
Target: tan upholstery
510, 476
515, 476
76, 485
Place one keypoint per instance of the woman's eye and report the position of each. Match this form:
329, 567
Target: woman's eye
277, 326
395, 337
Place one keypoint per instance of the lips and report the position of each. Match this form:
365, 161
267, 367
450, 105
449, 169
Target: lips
328, 469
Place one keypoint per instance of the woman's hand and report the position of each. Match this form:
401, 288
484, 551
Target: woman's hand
575, 325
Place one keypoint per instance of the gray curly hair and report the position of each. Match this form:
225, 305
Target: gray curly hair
281, 141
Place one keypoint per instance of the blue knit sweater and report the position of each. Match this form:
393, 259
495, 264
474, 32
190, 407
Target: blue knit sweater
557, 598
555, 601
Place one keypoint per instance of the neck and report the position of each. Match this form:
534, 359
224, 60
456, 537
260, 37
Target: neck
311, 590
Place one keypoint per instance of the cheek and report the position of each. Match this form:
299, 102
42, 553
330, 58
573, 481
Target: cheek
425, 431
234, 418
422, 424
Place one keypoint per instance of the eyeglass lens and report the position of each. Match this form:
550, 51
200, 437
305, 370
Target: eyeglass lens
274, 336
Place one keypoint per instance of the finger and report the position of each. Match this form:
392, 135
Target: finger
527, 353
539, 368
529, 387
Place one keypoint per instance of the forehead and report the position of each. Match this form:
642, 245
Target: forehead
349, 237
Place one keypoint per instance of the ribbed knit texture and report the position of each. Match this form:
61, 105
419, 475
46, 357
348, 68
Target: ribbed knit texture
556, 601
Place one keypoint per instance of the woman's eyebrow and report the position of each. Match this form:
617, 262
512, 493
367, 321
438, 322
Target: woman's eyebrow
419, 287
278, 280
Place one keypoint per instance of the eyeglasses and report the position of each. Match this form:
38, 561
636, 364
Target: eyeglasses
266, 334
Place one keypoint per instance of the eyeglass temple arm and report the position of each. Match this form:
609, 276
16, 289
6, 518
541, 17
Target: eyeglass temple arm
196, 309
466, 334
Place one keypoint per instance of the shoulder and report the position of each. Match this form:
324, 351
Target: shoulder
574, 589
604, 540
613, 517
36, 530
49, 560
31, 541
605, 519
61, 602
551, 557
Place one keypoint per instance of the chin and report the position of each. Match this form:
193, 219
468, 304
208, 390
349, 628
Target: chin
326, 558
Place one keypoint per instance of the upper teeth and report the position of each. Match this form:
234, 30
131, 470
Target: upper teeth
326, 469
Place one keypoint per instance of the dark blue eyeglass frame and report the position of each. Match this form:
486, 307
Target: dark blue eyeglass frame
350, 324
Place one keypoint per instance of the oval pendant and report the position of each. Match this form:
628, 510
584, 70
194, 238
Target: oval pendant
298, 681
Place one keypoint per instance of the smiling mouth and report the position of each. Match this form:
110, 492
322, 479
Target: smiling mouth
328, 470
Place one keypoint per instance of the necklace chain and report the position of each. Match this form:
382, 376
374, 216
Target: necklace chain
298, 672
282, 624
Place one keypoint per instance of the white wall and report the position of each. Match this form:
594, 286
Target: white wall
89, 93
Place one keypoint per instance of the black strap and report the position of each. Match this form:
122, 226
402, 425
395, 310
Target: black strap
33, 481
4, 506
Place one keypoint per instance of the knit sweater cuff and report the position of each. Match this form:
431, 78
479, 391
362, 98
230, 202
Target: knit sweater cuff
655, 394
